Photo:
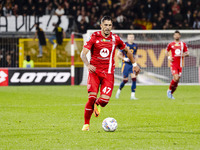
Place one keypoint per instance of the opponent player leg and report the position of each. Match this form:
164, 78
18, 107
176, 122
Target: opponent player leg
133, 86
125, 80
106, 92
93, 86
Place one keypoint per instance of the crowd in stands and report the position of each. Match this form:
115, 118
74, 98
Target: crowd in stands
127, 14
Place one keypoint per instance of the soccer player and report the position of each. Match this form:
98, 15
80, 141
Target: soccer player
127, 67
178, 50
102, 45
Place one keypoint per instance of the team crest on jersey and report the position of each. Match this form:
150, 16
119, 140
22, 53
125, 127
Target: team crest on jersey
104, 52
177, 51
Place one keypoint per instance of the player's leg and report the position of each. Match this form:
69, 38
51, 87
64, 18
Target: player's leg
174, 82
107, 84
40, 50
176, 79
92, 86
125, 80
133, 86
122, 84
51, 39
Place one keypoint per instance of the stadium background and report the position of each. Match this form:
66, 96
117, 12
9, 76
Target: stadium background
51, 117
17, 19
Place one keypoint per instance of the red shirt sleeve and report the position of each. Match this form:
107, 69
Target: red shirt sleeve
168, 47
185, 48
120, 43
89, 43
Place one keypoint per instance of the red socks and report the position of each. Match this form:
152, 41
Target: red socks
89, 107
173, 86
102, 101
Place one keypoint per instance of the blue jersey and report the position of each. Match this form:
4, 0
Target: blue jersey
133, 48
127, 66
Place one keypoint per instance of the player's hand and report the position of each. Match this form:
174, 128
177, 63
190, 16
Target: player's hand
136, 69
126, 59
170, 58
91, 68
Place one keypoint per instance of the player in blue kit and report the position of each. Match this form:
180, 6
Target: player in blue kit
127, 66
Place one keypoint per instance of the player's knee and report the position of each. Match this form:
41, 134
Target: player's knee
125, 81
92, 97
176, 78
134, 79
103, 101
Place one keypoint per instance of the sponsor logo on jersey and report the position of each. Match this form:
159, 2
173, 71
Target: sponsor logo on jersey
104, 52
33, 77
3, 77
104, 40
177, 44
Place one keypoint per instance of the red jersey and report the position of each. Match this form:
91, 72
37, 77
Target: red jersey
177, 49
103, 51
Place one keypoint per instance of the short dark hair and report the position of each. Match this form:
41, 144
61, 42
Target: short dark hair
106, 18
177, 32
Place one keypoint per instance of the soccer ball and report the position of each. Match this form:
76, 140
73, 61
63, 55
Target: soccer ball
109, 124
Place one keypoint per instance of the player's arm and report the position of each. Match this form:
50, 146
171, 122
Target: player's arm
167, 53
186, 54
64, 34
35, 35
120, 56
84, 52
136, 68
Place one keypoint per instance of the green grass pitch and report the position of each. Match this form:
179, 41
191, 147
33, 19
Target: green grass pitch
51, 117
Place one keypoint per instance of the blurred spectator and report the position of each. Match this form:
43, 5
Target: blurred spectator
189, 6
196, 24
83, 16
189, 18
28, 63
16, 10
49, 9
178, 17
155, 6
59, 35
1, 10
82, 26
175, 8
9, 61
59, 12
41, 36
7, 10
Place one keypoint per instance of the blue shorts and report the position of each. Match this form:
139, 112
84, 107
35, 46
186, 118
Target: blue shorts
127, 69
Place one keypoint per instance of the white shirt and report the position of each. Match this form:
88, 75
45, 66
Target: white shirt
60, 11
